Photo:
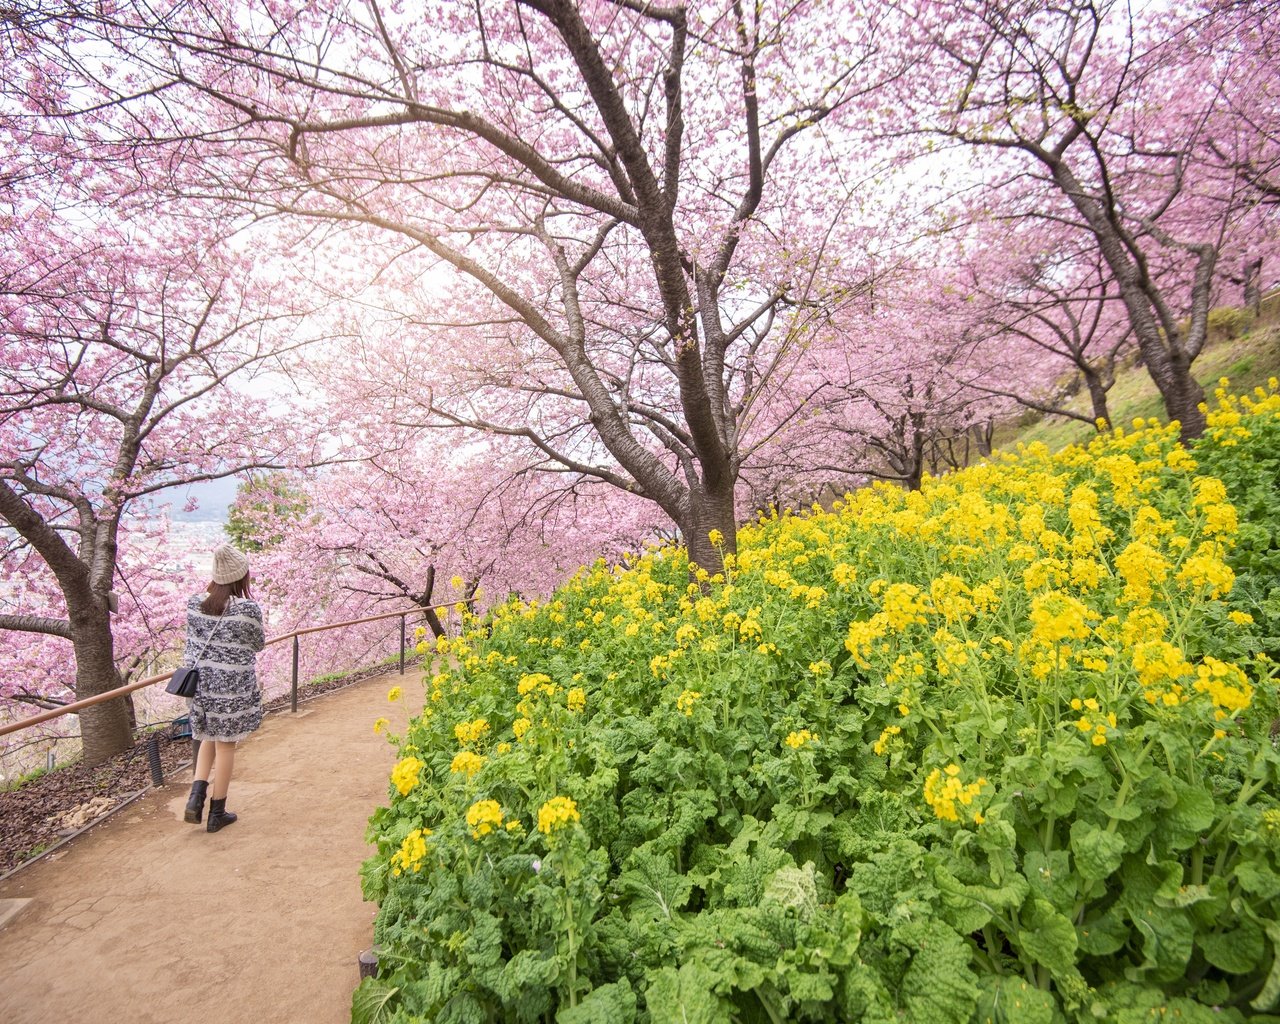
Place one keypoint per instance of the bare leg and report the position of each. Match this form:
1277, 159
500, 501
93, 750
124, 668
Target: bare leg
225, 763
204, 760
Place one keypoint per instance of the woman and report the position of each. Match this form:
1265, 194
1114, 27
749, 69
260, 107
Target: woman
224, 632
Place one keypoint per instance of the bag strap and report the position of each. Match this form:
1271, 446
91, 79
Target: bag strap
195, 661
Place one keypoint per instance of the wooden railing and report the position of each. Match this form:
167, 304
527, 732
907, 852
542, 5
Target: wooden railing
120, 691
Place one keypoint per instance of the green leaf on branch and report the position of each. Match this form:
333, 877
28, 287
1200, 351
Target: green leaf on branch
1194, 811
968, 908
1097, 852
373, 1001
686, 995
1257, 878
1167, 941
793, 888
1050, 876
1009, 1000
1049, 938
1103, 935
1238, 951
653, 885
1269, 997
608, 1004
940, 985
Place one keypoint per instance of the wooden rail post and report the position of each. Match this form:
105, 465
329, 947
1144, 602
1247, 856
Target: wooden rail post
402, 618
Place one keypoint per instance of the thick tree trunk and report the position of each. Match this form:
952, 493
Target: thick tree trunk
1252, 286
915, 454
710, 509
1166, 353
1168, 363
1097, 395
982, 435
104, 728
433, 620
423, 601
1182, 394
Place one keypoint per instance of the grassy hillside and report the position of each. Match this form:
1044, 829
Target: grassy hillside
1246, 355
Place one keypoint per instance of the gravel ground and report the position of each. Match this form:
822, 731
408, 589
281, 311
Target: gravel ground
51, 807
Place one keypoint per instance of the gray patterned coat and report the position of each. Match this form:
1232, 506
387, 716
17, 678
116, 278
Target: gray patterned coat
227, 706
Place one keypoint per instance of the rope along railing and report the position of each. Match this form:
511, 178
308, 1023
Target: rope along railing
120, 691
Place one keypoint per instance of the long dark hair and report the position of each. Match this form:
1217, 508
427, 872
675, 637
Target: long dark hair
221, 593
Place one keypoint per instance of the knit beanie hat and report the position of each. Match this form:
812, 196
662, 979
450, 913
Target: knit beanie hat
229, 564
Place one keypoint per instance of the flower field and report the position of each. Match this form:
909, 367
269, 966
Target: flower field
999, 750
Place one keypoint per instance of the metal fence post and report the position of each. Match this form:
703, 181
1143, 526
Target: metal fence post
402, 644
153, 759
293, 693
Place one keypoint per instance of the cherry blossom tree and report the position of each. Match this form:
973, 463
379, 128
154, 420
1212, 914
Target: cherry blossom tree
916, 393
410, 531
1111, 122
1063, 305
624, 194
118, 357
153, 580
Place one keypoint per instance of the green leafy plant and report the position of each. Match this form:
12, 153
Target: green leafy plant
997, 750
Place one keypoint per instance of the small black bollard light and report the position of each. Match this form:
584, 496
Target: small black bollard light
153, 758
368, 961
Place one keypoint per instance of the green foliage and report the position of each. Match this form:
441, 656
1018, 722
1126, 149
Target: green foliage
265, 504
371, 1003
1229, 321
998, 750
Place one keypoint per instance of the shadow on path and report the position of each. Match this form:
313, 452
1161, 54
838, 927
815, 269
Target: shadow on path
148, 919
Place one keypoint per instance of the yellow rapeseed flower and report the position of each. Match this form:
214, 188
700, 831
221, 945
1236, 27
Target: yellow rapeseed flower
1226, 685
1143, 568
405, 774
1205, 570
557, 813
528, 683
412, 852
944, 790
796, 740
470, 732
882, 744
686, 701
484, 816
467, 763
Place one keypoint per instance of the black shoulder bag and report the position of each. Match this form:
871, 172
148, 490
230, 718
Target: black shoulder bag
185, 680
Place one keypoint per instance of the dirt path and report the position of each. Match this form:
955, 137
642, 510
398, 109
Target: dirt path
148, 919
